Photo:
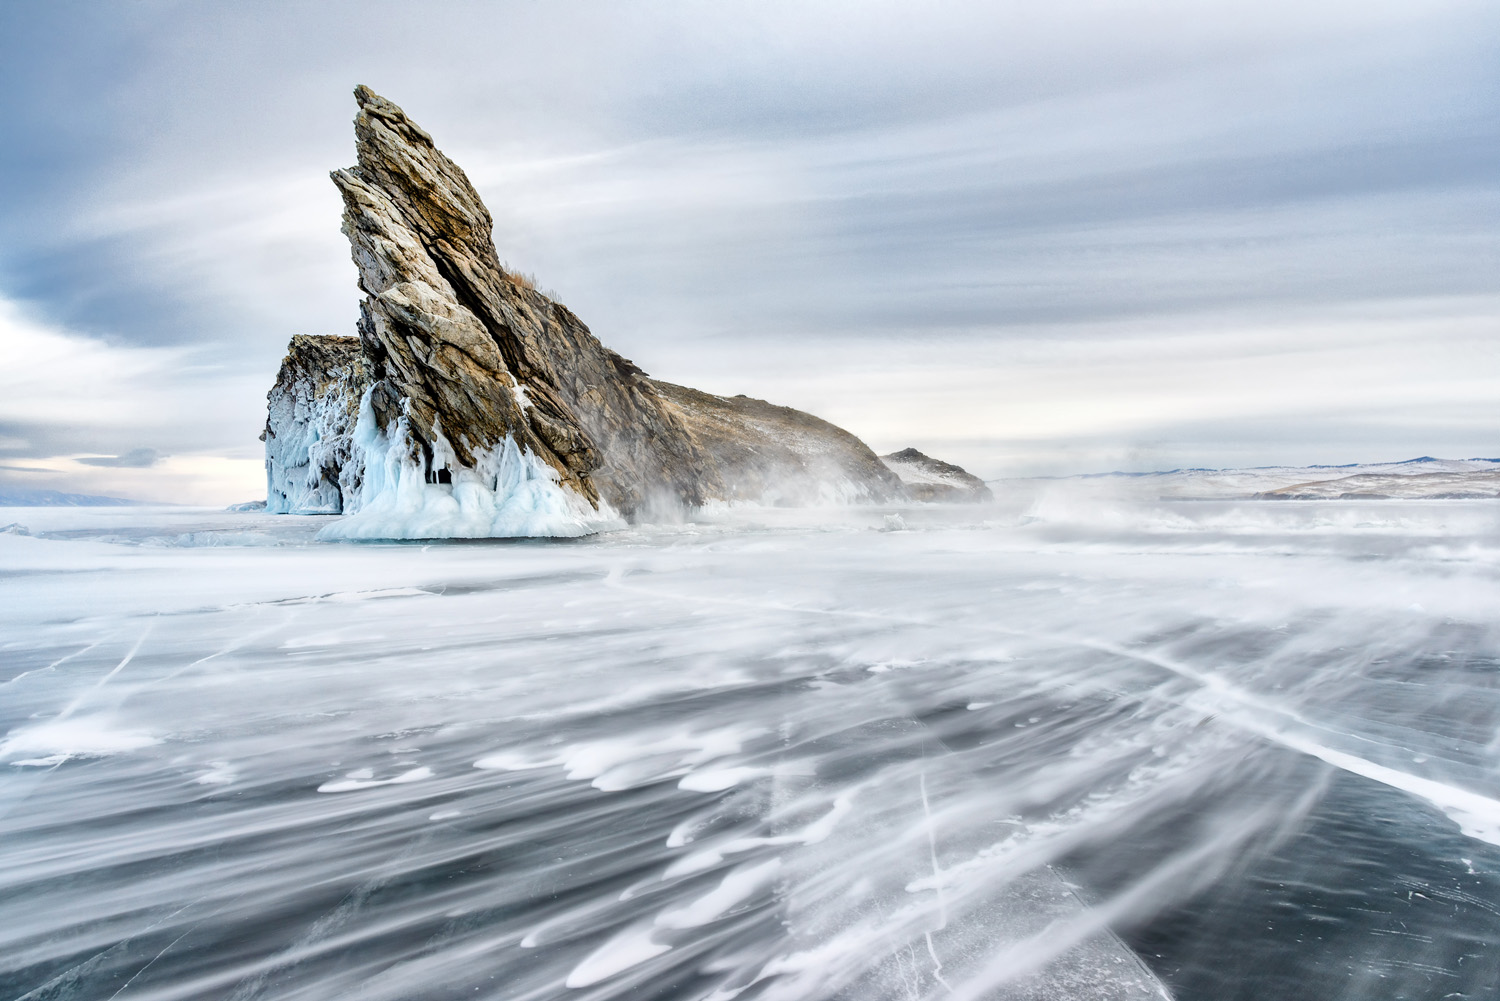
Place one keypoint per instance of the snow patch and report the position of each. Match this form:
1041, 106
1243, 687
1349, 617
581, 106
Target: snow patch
814, 833
75, 737
615, 765
736, 888
220, 773
630, 947
362, 779
719, 779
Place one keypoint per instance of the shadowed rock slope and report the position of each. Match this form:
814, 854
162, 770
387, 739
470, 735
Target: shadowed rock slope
776, 455
471, 382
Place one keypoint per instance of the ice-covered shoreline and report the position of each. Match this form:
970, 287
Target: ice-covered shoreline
1424, 478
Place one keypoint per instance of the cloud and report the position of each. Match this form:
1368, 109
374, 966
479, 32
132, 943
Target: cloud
65, 398
136, 458
1318, 384
64, 393
202, 478
1088, 226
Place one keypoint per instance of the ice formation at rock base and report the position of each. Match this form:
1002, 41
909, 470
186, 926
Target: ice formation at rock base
507, 493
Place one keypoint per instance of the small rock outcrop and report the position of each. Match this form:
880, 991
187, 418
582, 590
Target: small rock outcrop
473, 405
310, 417
929, 479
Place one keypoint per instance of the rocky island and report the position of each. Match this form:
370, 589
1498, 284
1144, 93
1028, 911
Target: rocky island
472, 405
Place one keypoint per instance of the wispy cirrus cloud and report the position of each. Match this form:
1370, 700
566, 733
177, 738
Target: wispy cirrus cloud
64, 396
136, 458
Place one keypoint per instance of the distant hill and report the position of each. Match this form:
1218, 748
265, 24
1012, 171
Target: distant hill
56, 498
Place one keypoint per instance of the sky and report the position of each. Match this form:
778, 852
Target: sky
1032, 238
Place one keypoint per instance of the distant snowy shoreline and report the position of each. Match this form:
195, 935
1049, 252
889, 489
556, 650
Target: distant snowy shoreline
1424, 478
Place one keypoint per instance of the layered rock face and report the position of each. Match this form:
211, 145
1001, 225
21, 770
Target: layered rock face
484, 408
927, 479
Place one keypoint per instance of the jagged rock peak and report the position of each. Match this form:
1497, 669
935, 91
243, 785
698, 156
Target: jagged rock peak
433, 192
489, 357
439, 321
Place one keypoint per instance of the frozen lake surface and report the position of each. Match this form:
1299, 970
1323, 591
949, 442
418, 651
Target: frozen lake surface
856, 754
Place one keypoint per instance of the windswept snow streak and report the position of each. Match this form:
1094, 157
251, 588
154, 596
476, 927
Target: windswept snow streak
779, 754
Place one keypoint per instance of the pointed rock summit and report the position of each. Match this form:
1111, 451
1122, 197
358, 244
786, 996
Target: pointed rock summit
474, 405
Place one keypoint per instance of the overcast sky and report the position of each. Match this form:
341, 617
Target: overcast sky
1037, 237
